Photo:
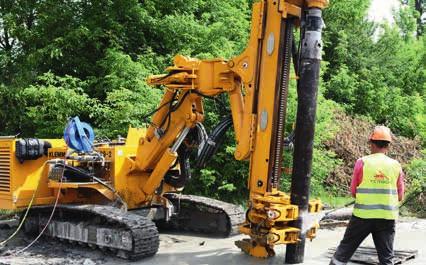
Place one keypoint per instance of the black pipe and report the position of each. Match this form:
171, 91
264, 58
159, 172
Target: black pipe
307, 91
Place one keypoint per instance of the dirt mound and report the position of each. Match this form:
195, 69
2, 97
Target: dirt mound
351, 143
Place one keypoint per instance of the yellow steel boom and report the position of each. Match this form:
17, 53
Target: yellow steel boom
257, 84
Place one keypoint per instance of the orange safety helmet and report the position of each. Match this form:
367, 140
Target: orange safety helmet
381, 133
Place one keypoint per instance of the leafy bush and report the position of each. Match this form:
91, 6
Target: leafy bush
416, 192
376, 70
323, 160
127, 98
123, 108
47, 106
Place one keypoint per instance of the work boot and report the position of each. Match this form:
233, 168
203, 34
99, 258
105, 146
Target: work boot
334, 261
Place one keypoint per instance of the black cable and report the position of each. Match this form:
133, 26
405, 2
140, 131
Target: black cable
169, 114
76, 169
177, 106
156, 110
214, 141
98, 180
171, 110
296, 56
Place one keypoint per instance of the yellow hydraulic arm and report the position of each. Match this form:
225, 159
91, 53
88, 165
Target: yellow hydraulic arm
257, 84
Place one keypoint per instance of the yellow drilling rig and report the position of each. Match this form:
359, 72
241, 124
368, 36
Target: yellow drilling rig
112, 194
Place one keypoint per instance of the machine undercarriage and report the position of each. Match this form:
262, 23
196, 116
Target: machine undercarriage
130, 234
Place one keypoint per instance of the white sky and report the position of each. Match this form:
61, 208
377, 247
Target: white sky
382, 10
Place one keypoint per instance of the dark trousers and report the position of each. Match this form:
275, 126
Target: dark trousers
383, 232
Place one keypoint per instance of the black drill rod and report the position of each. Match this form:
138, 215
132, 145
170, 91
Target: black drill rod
307, 91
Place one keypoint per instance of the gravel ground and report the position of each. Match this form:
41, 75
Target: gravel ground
187, 249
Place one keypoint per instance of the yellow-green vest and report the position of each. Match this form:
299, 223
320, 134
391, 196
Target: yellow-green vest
377, 195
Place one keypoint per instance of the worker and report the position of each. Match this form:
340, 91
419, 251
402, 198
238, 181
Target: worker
377, 185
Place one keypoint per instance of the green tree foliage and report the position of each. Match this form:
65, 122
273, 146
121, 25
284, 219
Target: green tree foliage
376, 70
42, 109
324, 161
128, 98
419, 6
416, 196
112, 46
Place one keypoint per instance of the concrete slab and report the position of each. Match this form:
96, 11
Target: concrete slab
187, 249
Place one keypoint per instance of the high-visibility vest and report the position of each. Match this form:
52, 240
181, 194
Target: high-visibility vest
377, 195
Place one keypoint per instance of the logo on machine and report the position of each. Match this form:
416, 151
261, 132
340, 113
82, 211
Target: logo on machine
56, 154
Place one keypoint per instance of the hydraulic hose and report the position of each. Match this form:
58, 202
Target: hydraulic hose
47, 224
214, 141
25, 215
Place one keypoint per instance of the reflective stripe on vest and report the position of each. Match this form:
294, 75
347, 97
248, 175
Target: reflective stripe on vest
377, 191
377, 196
376, 207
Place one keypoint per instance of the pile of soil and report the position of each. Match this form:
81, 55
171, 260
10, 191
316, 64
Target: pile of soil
351, 143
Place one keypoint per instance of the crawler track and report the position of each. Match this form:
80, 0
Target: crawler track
205, 215
125, 234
